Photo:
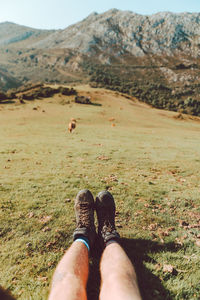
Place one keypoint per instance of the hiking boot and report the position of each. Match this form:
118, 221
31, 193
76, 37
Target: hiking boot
84, 211
105, 208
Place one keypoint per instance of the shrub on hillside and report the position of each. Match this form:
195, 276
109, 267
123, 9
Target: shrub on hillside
155, 94
11, 95
44, 92
82, 100
67, 91
2, 96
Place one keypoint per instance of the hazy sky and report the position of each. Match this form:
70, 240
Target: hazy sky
53, 14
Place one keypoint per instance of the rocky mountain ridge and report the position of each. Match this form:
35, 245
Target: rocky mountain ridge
139, 35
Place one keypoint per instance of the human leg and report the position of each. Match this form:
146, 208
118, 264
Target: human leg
117, 272
118, 275
70, 278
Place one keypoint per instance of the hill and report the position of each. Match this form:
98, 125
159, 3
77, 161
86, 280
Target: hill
147, 158
11, 33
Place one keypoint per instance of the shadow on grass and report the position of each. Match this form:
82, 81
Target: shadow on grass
5, 295
151, 287
96, 104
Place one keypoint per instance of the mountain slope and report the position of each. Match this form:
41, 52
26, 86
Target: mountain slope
11, 33
161, 33
7, 81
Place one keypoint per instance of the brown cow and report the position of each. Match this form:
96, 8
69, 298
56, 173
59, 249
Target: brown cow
71, 126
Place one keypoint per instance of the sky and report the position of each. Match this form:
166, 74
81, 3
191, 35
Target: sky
55, 14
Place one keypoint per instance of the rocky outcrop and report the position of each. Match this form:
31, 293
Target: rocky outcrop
125, 31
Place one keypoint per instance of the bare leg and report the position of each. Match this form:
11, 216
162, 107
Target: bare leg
70, 278
118, 275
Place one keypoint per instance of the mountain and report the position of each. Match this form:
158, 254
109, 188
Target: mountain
139, 35
11, 33
161, 33
155, 57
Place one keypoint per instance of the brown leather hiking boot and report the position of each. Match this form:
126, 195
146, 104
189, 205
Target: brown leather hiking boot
105, 208
84, 211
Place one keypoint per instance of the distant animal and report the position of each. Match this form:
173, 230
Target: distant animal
72, 126
112, 119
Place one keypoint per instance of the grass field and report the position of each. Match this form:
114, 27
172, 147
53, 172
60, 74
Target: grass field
149, 160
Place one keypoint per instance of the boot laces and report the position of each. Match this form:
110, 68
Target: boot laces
84, 215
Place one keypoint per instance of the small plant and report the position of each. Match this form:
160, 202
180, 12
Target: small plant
82, 100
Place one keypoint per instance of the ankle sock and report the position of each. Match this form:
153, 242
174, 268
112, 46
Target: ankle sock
84, 240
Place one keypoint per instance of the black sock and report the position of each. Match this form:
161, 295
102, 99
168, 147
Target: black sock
111, 241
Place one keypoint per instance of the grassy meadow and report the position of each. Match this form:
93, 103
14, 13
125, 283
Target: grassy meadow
148, 159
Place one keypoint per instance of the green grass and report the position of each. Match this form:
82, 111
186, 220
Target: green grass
149, 161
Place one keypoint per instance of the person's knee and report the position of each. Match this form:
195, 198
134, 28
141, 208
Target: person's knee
119, 275
68, 277
123, 269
